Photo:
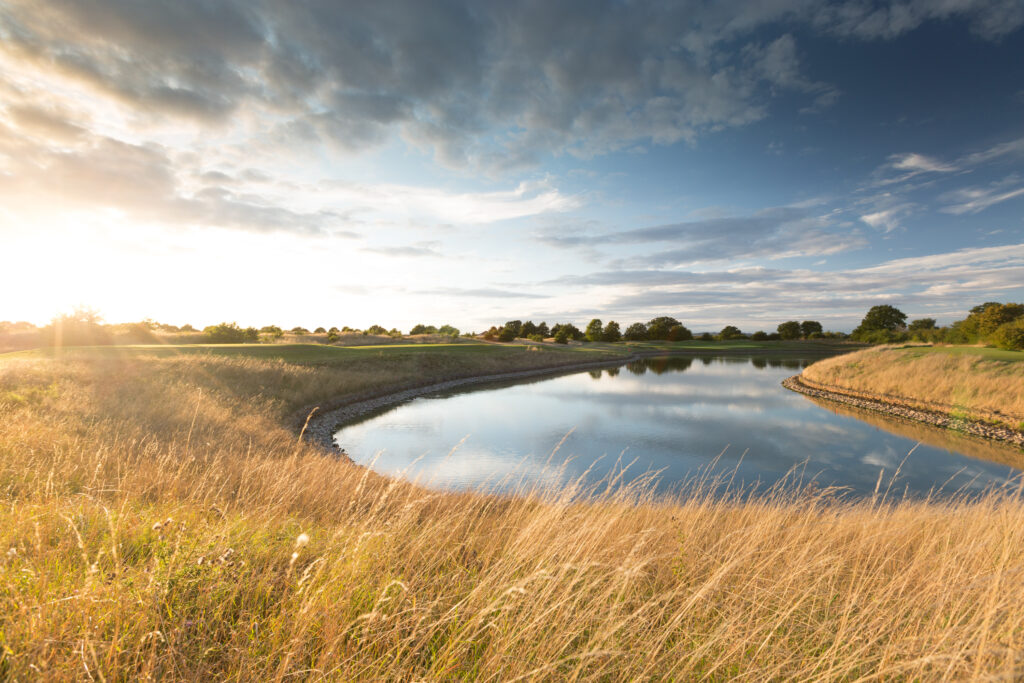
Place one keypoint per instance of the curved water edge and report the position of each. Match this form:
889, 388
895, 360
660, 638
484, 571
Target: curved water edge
671, 415
941, 420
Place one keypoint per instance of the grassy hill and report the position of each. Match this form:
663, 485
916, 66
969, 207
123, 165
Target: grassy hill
160, 519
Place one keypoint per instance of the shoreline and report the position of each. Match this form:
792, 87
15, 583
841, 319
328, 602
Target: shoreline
317, 423
324, 422
942, 420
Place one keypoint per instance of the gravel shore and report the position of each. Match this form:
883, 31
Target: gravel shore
937, 419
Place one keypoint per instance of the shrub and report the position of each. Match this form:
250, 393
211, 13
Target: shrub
230, 333
707, 336
730, 332
423, 329
562, 335
507, 334
759, 336
375, 329
448, 330
1010, 335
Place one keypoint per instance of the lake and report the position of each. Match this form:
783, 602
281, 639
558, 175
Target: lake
680, 416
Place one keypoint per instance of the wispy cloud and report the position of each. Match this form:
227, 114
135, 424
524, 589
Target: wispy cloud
977, 199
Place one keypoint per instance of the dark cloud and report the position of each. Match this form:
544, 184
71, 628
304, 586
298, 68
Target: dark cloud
489, 83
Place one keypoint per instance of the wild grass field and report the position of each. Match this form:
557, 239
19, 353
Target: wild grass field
977, 382
161, 520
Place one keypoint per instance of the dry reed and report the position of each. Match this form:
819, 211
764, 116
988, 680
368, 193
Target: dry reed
159, 521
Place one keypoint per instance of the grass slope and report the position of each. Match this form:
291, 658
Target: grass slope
973, 381
159, 521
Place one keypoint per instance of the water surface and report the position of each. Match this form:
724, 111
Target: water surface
681, 416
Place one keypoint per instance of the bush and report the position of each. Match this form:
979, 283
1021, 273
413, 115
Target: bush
730, 332
760, 335
423, 329
507, 334
707, 336
448, 330
230, 333
1010, 336
562, 335
679, 333
375, 329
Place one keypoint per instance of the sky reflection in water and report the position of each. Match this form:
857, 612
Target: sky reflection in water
669, 414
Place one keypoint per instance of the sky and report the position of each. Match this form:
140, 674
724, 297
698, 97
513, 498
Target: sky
471, 162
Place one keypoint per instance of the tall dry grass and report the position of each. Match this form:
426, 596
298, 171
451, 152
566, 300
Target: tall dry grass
160, 522
972, 385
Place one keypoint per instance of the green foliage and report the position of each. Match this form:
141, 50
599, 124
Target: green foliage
528, 329
273, 331
230, 333
760, 335
562, 335
809, 327
790, 329
636, 332
921, 324
880, 319
320, 330
658, 327
611, 332
707, 336
542, 330
515, 327
375, 329
571, 330
423, 329
1010, 336
594, 330
679, 333
298, 329
448, 330
507, 334
332, 336
730, 332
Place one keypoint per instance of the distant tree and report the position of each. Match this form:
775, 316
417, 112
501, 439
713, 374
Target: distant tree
594, 330
375, 329
81, 327
562, 335
335, 330
809, 327
515, 327
423, 329
760, 335
507, 334
187, 328
921, 324
448, 331
543, 330
679, 333
789, 329
491, 334
230, 333
980, 308
730, 332
273, 331
658, 328
332, 335
611, 332
635, 332
527, 329
884, 317
298, 329
707, 336
320, 330
993, 317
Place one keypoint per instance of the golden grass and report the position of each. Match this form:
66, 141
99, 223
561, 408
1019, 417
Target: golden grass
972, 385
155, 524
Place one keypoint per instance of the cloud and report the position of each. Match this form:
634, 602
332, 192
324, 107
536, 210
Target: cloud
428, 249
977, 199
919, 163
776, 232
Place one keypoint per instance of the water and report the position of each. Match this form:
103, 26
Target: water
675, 415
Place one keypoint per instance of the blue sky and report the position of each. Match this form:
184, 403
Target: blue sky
323, 163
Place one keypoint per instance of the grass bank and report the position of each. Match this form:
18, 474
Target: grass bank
971, 382
160, 520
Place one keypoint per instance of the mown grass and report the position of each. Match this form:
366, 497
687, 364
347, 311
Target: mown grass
160, 521
972, 382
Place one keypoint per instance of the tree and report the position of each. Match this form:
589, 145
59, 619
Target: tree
375, 329
273, 331
515, 327
506, 334
635, 332
980, 308
528, 329
993, 317
298, 329
884, 317
658, 327
332, 335
448, 331
594, 330
230, 333
921, 324
789, 329
81, 327
543, 330
611, 332
730, 332
707, 336
423, 329
319, 330
760, 335
809, 327
679, 333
